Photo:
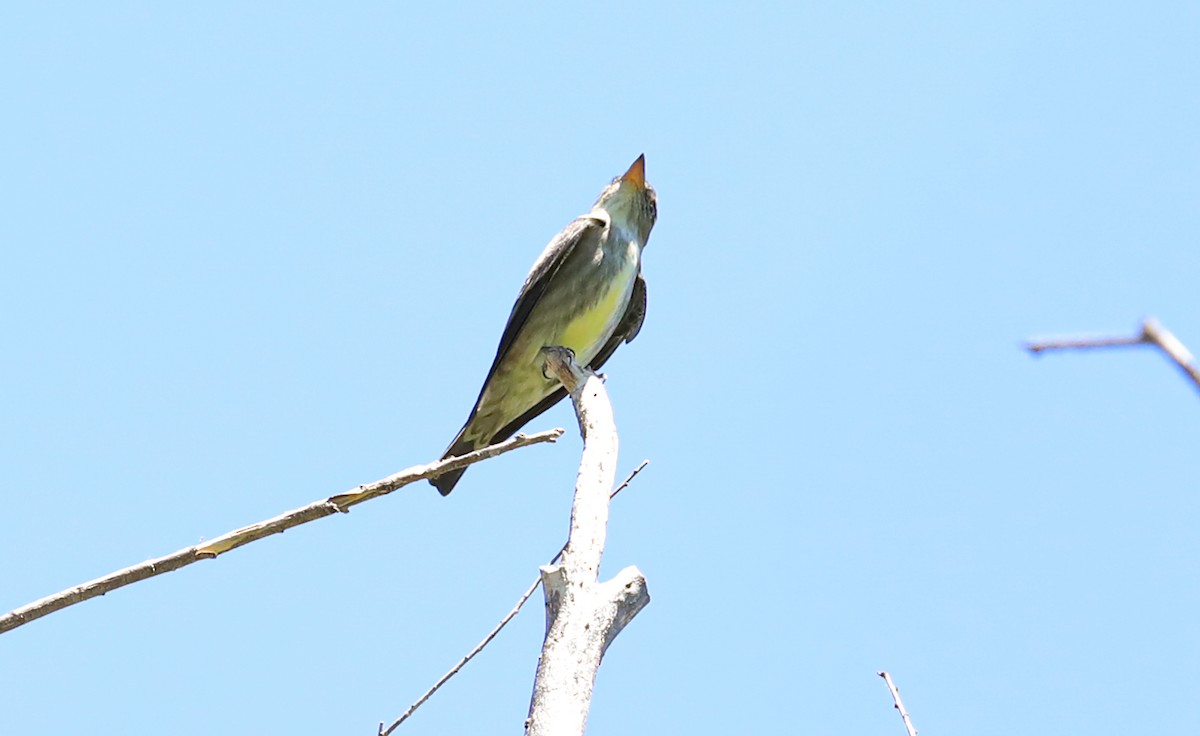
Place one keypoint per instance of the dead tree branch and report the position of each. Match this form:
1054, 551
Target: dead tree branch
492, 634
583, 615
226, 542
908, 724
1152, 333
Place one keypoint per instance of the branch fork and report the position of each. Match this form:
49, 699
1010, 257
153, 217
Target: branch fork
1152, 333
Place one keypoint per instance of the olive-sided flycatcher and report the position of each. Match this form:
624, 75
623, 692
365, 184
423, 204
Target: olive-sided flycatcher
585, 292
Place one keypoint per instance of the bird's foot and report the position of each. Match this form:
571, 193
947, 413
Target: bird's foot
546, 364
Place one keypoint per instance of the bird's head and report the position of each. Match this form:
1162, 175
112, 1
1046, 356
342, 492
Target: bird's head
630, 201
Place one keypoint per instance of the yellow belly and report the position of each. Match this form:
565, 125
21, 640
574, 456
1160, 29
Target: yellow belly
518, 382
587, 332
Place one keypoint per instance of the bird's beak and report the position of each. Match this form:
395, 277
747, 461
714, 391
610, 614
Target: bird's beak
637, 173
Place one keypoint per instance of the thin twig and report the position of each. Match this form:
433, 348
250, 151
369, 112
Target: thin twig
1152, 333
226, 542
908, 724
1084, 342
626, 483
492, 634
462, 662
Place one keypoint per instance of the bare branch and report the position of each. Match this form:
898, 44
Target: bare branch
583, 615
1083, 342
908, 724
628, 479
1174, 349
1152, 333
492, 634
226, 542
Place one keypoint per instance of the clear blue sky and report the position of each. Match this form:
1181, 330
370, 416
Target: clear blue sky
253, 256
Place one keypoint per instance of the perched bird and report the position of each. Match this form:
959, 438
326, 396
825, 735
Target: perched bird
585, 292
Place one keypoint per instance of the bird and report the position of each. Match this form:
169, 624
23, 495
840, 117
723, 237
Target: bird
586, 293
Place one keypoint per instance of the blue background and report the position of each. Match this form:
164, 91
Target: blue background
256, 255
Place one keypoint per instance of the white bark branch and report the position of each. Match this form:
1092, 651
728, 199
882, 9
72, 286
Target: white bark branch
226, 542
583, 616
908, 724
496, 630
1152, 333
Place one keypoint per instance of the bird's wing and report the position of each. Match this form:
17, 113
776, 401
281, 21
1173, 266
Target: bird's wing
628, 327
586, 229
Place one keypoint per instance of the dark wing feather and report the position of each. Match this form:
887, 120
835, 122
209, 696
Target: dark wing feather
627, 329
556, 253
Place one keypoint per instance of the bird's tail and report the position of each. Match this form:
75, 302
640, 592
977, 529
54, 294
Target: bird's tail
460, 446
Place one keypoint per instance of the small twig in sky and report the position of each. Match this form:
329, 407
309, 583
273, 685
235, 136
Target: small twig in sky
1152, 333
628, 480
908, 725
492, 634
462, 662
